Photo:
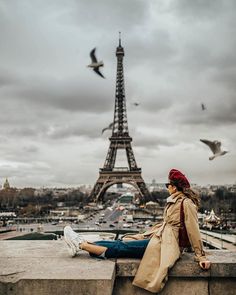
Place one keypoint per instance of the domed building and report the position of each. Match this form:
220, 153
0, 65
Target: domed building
6, 184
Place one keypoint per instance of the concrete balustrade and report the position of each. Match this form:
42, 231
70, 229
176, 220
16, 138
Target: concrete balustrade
45, 267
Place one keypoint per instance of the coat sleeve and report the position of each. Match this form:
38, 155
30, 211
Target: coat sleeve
192, 227
146, 235
131, 237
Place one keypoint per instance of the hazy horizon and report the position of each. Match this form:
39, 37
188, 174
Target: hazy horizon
91, 184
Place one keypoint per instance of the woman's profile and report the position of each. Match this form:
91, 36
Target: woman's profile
159, 247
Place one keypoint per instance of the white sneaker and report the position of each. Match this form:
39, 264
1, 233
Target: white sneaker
73, 240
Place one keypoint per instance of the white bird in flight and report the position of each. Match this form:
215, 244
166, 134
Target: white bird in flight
95, 65
215, 147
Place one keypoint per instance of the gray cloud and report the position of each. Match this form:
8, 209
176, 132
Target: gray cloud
178, 54
68, 98
6, 78
200, 9
221, 111
118, 15
227, 77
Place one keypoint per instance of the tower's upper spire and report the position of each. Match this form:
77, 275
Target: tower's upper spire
120, 127
120, 49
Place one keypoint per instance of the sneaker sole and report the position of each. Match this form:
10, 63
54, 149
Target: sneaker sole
71, 247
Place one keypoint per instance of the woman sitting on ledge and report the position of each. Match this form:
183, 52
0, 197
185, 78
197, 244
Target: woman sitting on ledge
159, 247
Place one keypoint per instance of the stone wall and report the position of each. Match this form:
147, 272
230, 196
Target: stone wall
185, 277
45, 268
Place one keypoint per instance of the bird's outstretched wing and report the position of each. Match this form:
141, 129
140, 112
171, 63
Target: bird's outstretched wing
108, 128
211, 145
96, 70
92, 55
104, 129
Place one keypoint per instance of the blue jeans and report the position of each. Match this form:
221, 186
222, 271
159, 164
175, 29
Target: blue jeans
123, 249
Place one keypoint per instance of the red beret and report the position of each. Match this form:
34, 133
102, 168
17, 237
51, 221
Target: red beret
178, 178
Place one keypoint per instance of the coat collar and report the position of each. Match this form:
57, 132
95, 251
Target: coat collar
174, 197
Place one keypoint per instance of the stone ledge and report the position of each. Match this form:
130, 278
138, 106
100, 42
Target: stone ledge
223, 265
41, 267
45, 268
186, 277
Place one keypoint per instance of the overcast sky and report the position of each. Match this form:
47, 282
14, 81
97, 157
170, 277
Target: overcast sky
178, 54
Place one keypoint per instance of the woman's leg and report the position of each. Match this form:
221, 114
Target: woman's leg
111, 249
117, 249
93, 248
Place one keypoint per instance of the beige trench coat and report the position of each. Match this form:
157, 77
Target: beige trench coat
163, 249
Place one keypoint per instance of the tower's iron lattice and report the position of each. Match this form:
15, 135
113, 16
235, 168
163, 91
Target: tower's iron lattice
120, 139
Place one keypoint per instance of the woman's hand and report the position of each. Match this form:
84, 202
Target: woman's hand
205, 264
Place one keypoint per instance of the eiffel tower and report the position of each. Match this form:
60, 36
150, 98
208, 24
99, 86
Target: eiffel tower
120, 139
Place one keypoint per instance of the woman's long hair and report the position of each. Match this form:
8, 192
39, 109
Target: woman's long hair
189, 193
192, 195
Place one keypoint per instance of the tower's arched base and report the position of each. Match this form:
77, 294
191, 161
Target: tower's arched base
109, 178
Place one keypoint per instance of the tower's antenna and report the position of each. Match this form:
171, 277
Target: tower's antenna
120, 39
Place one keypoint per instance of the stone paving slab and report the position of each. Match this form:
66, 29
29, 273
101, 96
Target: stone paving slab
36, 267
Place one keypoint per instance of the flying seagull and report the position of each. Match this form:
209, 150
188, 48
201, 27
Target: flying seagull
215, 147
108, 128
203, 107
136, 104
95, 65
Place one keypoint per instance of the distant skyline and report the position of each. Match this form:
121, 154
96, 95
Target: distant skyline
179, 54
91, 185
